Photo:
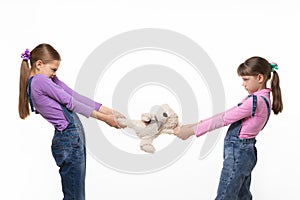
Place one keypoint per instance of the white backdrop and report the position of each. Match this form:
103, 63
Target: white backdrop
229, 31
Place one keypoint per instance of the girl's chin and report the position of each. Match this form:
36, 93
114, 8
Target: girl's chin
249, 92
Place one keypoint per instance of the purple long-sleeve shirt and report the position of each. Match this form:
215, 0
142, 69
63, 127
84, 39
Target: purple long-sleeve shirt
49, 94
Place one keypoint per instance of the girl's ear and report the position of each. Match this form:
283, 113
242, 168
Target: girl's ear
261, 78
38, 64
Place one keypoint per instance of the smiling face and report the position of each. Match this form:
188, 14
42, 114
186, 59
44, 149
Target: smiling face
49, 69
253, 83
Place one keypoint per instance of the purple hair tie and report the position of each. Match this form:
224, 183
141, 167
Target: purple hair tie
26, 55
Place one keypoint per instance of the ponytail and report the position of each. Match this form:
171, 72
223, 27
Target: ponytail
277, 105
45, 53
23, 99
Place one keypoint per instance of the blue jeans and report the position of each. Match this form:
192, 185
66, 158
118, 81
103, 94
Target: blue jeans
68, 150
240, 157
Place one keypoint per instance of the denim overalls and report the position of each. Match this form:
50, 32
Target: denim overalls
69, 152
240, 156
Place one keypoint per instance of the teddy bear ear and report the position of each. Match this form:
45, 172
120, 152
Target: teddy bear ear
166, 106
155, 109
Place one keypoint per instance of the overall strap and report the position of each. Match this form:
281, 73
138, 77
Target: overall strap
269, 109
29, 95
254, 104
68, 114
234, 128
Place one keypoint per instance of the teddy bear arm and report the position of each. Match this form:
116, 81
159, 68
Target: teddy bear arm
146, 117
168, 131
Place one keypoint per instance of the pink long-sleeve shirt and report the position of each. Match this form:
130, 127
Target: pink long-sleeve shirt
251, 125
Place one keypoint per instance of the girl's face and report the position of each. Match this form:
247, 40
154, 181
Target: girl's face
253, 83
48, 69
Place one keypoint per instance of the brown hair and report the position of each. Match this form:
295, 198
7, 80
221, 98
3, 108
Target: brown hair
257, 65
44, 52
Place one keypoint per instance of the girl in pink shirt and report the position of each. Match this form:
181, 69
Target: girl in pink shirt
247, 119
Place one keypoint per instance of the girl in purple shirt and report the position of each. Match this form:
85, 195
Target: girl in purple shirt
58, 104
247, 119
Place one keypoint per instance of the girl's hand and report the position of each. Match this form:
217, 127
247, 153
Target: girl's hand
112, 121
108, 116
184, 132
105, 110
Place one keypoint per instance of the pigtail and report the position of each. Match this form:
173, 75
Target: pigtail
277, 105
23, 99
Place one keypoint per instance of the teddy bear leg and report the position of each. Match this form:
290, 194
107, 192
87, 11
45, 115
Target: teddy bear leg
146, 145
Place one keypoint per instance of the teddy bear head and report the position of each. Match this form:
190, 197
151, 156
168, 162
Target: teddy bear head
161, 119
163, 115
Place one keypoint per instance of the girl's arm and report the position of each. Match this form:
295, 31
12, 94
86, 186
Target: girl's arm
185, 131
109, 116
101, 112
58, 91
109, 111
76, 96
217, 121
108, 119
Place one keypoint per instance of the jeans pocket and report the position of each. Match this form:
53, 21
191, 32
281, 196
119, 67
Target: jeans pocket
247, 146
247, 156
78, 149
75, 140
58, 149
228, 162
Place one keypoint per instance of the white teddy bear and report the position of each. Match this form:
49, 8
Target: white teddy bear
161, 119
